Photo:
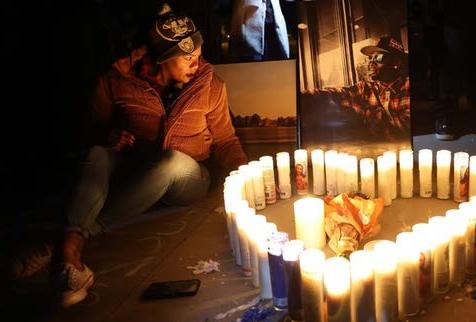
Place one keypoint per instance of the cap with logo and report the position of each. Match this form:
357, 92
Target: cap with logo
387, 45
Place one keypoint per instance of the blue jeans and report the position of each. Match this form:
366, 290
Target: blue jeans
114, 186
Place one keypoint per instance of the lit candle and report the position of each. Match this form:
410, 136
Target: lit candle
264, 274
311, 262
425, 166
236, 208
309, 222
230, 195
337, 289
258, 185
340, 170
291, 251
284, 175
384, 189
248, 175
443, 165
330, 158
362, 288
460, 176
318, 173
392, 166
457, 228
422, 234
255, 231
408, 275
240, 181
300, 167
367, 177
468, 210
386, 293
440, 254
276, 269
268, 179
406, 173
352, 173
243, 221
472, 176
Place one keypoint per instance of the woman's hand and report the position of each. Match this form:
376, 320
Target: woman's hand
121, 139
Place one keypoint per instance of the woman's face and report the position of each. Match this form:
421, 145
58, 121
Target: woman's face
182, 68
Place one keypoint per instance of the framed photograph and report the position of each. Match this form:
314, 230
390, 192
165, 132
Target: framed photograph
354, 87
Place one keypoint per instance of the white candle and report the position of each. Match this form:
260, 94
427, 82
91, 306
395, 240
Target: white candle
408, 275
457, 225
300, 166
340, 170
240, 179
362, 288
243, 220
425, 166
367, 177
352, 173
468, 210
309, 222
291, 251
337, 289
318, 173
264, 274
472, 176
384, 189
460, 176
423, 236
258, 185
236, 208
268, 179
245, 170
311, 262
392, 163
255, 233
406, 173
330, 158
443, 165
440, 254
230, 195
284, 175
386, 293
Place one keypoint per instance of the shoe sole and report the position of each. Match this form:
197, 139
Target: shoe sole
73, 297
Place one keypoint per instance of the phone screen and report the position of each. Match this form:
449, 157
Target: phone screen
171, 289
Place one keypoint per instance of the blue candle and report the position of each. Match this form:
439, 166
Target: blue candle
276, 269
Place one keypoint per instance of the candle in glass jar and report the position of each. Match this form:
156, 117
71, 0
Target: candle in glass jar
460, 176
408, 275
255, 230
300, 166
352, 173
362, 286
264, 274
237, 207
367, 177
318, 173
406, 173
309, 222
443, 165
457, 225
392, 168
284, 175
268, 179
423, 236
384, 189
311, 263
386, 292
245, 170
440, 254
425, 166
276, 269
341, 175
472, 176
291, 251
258, 185
243, 220
468, 210
337, 289
330, 158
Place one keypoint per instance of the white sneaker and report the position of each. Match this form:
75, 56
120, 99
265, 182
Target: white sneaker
73, 284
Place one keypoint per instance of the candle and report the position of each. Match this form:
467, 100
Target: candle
309, 222
276, 269
236, 208
258, 185
318, 173
423, 236
255, 231
440, 254
337, 289
243, 221
268, 179
443, 164
457, 225
406, 173
264, 274
240, 181
425, 166
468, 210
330, 158
367, 177
300, 167
312, 263
362, 288
386, 293
384, 189
245, 170
352, 173
230, 195
291, 251
284, 175
392, 164
472, 176
340, 172
460, 176
408, 275
370, 246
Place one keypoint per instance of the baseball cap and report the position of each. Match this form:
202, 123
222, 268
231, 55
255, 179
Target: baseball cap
389, 45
